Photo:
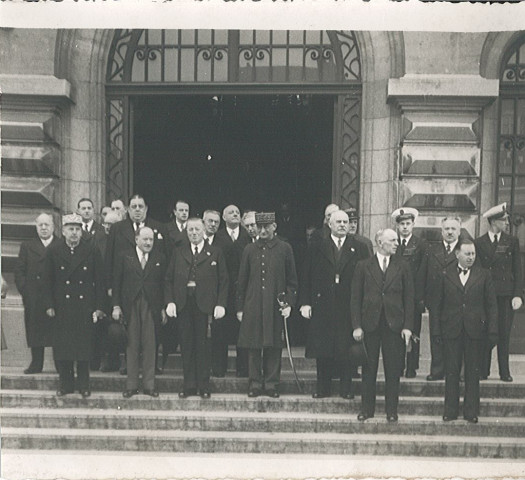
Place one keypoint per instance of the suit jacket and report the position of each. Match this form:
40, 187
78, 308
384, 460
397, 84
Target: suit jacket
176, 238
366, 241
415, 254
130, 280
211, 279
122, 239
97, 231
472, 307
326, 286
437, 262
29, 279
371, 295
504, 263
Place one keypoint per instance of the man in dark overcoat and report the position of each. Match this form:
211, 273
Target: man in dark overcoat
499, 252
267, 272
29, 280
324, 296
176, 228
353, 228
138, 301
440, 256
232, 239
196, 293
413, 250
465, 313
324, 231
74, 294
382, 311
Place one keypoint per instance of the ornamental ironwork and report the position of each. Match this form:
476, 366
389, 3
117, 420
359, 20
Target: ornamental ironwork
514, 69
242, 56
350, 152
117, 181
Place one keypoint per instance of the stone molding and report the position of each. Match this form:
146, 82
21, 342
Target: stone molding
42, 89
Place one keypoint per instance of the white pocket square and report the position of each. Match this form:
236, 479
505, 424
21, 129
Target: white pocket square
214, 263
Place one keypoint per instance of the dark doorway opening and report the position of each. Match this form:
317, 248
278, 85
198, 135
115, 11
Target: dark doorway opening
255, 151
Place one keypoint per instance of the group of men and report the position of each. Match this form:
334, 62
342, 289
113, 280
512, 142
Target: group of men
193, 284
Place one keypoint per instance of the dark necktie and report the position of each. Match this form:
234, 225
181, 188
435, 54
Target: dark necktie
196, 251
448, 248
463, 271
495, 241
137, 226
404, 242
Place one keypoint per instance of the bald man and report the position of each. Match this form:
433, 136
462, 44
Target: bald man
382, 312
324, 231
28, 279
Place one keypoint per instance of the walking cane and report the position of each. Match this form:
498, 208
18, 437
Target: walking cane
281, 299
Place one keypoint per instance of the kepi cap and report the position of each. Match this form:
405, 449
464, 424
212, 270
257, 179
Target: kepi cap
499, 211
264, 218
405, 213
352, 213
71, 219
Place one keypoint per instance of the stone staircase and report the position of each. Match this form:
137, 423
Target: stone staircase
33, 418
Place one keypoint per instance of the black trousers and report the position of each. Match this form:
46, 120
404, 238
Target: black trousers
264, 368
221, 332
412, 357
194, 346
326, 366
456, 350
37, 359
66, 375
392, 349
437, 361
505, 319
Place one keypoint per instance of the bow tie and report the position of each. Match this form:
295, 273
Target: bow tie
463, 271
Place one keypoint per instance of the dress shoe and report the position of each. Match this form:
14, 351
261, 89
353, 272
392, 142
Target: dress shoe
391, 418
255, 392
471, 419
129, 393
205, 394
320, 395
187, 393
30, 370
85, 393
272, 393
347, 396
61, 393
433, 378
506, 378
448, 418
152, 393
364, 416
410, 374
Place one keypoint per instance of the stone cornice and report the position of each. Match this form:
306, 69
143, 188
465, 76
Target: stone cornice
455, 92
41, 90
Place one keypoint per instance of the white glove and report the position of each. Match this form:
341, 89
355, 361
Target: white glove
50, 312
219, 312
171, 310
117, 313
517, 302
306, 311
239, 316
286, 311
358, 334
406, 334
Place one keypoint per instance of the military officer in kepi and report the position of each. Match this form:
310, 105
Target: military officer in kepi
74, 294
412, 249
499, 252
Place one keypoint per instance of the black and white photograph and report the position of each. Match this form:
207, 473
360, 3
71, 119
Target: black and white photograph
262, 239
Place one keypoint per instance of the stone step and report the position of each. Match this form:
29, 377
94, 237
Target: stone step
263, 442
84, 418
408, 405
171, 381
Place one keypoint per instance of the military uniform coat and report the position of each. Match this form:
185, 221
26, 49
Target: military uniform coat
211, 278
130, 280
74, 287
437, 263
326, 287
267, 269
415, 254
371, 294
472, 307
504, 263
29, 279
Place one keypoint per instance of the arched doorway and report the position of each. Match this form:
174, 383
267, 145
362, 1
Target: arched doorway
253, 117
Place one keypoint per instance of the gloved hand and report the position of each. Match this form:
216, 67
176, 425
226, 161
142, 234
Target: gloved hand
171, 310
306, 311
